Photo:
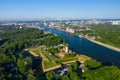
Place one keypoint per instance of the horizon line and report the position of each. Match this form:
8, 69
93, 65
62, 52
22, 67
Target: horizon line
60, 19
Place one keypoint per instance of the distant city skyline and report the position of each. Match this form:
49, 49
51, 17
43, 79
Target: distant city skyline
59, 9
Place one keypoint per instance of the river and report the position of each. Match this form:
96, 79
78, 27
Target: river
86, 47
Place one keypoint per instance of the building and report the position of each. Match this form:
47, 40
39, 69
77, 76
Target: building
66, 49
70, 30
115, 22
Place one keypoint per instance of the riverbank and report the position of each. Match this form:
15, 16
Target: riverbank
83, 46
103, 44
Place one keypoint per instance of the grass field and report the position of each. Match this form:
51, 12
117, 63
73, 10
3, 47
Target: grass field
48, 61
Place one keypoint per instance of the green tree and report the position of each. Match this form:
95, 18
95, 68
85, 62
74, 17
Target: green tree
50, 75
29, 61
53, 50
65, 77
92, 63
73, 66
103, 73
30, 77
74, 75
21, 65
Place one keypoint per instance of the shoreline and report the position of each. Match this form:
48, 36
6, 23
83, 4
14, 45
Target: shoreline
103, 44
97, 42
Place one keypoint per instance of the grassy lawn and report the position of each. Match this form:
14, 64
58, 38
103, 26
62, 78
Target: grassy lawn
83, 57
48, 61
46, 55
38, 51
66, 59
50, 64
35, 51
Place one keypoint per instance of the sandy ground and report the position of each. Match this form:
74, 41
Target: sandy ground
105, 45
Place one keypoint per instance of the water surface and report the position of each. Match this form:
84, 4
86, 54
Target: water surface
86, 47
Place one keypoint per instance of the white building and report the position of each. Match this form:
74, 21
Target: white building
115, 22
66, 49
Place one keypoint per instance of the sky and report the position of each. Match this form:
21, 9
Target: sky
59, 9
